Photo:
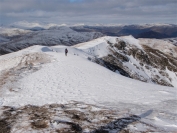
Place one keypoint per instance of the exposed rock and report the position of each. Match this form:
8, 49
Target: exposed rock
74, 118
145, 64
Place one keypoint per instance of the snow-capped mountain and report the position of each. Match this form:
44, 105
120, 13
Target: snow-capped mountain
42, 90
30, 25
53, 36
157, 31
148, 60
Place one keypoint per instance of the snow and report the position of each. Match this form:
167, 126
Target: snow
100, 47
131, 40
63, 87
97, 47
173, 77
12, 60
131, 65
75, 78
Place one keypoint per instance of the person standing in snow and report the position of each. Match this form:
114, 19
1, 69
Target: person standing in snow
66, 51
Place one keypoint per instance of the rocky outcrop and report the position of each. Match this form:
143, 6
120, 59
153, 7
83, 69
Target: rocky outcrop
74, 117
141, 62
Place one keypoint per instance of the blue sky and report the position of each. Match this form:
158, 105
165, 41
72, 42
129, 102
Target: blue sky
89, 11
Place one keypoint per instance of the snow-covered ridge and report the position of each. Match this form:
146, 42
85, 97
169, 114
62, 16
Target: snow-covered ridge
148, 60
64, 67
12, 60
27, 25
44, 75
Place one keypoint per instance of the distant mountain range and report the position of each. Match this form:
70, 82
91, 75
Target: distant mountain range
53, 36
22, 35
157, 31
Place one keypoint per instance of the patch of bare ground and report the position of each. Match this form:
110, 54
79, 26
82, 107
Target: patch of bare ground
69, 118
27, 63
161, 60
4, 126
4, 75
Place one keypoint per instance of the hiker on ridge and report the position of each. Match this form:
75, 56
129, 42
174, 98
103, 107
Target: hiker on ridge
66, 51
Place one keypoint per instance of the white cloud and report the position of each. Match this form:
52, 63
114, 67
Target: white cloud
93, 11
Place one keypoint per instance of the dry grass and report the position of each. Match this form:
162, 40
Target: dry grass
71, 118
160, 59
28, 63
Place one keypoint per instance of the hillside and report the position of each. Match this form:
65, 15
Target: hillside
172, 40
146, 60
50, 37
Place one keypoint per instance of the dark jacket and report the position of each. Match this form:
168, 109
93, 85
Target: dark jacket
66, 51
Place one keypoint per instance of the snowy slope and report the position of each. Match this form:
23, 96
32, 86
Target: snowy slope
42, 75
63, 69
132, 58
50, 37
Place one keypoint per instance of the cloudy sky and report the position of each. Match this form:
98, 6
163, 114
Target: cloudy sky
89, 11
